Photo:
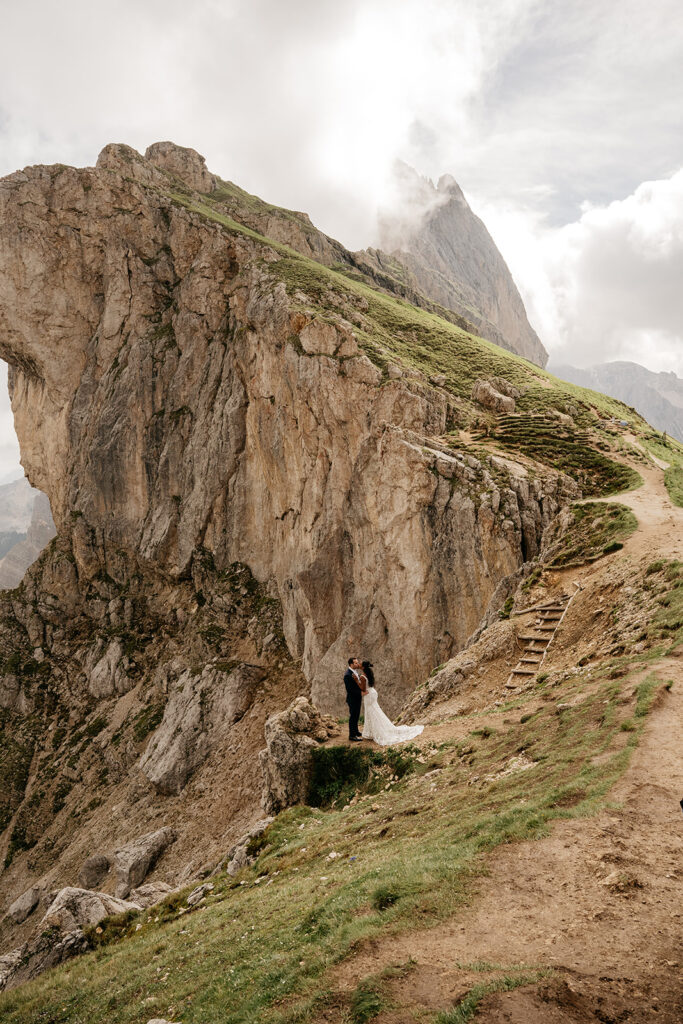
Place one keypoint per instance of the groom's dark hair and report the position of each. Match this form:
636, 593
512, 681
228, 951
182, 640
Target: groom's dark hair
351, 661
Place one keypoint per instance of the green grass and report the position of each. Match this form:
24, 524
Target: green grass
261, 951
388, 327
673, 481
597, 529
467, 1007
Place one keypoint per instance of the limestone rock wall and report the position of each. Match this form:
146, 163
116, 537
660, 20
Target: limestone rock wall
171, 396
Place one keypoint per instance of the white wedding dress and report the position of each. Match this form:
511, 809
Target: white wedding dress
381, 729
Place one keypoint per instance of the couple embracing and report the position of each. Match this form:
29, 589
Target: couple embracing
359, 680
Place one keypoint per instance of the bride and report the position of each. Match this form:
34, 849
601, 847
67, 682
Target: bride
377, 726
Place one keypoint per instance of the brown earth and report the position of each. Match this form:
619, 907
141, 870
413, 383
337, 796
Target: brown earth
596, 904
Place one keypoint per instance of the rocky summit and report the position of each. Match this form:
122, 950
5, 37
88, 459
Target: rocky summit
263, 454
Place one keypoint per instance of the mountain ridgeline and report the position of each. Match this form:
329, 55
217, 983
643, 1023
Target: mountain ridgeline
657, 396
263, 453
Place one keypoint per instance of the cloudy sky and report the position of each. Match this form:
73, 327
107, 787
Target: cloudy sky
562, 122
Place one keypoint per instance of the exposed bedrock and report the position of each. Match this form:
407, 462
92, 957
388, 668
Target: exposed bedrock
170, 396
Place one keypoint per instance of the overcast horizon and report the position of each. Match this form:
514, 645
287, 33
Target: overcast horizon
562, 124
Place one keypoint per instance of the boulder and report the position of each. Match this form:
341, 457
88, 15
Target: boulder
93, 871
24, 905
239, 857
506, 388
74, 908
135, 860
150, 893
485, 394
291, 736
198, 894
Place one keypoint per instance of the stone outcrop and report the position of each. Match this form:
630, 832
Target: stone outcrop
196, 715
241, 855
454, 261
486, 394
94, 870
74, 908
498, 640
149, 894
24, 905
135, 860
286, 762
50, 948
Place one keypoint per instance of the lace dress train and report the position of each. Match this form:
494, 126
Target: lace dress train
381, 729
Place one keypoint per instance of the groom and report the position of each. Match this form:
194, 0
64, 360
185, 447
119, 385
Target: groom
354, 697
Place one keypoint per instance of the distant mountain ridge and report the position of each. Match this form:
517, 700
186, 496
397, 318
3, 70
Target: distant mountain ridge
658, 397
453, 260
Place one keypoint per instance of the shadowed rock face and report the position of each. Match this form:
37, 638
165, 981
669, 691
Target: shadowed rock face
169, 396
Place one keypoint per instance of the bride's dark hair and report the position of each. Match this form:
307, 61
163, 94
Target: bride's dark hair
367, 668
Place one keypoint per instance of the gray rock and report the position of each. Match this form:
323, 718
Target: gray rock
150, 893
73, 908
198, 894
50, 948
135, 860
238, 856
291, 736
24, 905
485, 394
93, 871
200, 710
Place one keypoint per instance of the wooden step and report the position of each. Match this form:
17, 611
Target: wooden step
545, 629
523, 672
530, 661
535, 638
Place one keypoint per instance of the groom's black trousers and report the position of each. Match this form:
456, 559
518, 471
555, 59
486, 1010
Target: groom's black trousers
354, 713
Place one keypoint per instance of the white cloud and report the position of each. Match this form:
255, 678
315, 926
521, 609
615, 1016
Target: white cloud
607, 286
535, 106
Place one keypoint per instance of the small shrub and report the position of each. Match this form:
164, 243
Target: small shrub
504, 612
615, 545
337, 769
385, 896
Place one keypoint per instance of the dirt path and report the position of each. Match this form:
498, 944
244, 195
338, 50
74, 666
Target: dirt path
598, 901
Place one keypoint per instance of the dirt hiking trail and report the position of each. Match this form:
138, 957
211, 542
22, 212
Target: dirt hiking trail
598, 902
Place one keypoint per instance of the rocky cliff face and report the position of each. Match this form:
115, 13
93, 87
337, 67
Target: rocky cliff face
254, 471
172, 397
454, 261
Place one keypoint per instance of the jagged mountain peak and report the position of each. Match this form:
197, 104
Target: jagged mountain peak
454, 261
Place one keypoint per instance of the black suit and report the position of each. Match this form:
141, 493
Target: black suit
354, 698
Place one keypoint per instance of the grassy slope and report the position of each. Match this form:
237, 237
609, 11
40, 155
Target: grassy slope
260, 949
390, 329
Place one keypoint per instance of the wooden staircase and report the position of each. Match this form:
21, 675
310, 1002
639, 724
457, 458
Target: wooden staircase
538, 637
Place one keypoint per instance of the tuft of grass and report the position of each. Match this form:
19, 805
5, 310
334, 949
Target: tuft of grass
467, 1007
366, 1003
